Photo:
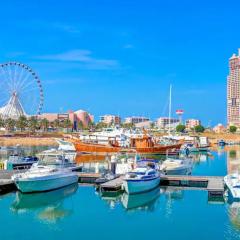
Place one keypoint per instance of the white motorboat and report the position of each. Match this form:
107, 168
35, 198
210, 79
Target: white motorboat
176, 166
141, 179
232, 182
58, 159
42, 178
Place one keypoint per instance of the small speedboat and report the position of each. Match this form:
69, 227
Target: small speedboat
176, 166
232, 182
41, 178
141, 179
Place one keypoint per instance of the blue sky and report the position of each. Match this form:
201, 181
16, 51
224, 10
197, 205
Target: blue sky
120, 57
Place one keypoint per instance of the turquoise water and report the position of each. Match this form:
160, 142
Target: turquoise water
79, 212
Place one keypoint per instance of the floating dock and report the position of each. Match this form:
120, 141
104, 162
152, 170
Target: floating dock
6, 184
114, 185
88, 177
214, 185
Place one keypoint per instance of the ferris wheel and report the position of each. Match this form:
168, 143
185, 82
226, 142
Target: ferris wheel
21, 91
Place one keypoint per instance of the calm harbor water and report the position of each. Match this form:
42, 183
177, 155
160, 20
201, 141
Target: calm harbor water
79, 212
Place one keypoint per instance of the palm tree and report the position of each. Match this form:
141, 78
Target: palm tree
56, 123
10, 124
67, 124
32, 124
80, 125
44, 123
91, 125
2, 123
22, 123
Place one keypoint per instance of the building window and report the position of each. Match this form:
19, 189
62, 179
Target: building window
234, 102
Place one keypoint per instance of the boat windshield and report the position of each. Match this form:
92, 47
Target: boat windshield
52, 160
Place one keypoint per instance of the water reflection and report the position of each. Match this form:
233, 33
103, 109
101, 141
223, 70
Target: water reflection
143, 201
234, 214
47, 205
233, 160
171, 194
147, 201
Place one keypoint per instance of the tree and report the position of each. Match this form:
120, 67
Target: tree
22, 123
32, 124
128, 125
10, 124
2, 123
80, 125
232, 129
180, 128
152, 125
101, 125
44, 123
56, 123
199, 129
67, 124
91, 125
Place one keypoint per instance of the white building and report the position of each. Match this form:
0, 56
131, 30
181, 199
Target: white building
164, 122
135, 120
191, 123
110, 119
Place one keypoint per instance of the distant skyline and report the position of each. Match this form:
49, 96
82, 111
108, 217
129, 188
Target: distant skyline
119, 57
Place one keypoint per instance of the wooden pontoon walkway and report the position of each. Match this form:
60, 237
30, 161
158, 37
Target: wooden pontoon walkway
213, 184
112, 185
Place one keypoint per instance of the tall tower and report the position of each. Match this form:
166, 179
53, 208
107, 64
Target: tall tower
233, 91
180, 112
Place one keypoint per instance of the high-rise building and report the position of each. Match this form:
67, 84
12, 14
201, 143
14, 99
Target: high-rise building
233, 90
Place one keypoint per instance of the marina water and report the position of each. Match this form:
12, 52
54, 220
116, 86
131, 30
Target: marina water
79, 212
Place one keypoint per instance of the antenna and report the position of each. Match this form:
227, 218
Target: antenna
170, 109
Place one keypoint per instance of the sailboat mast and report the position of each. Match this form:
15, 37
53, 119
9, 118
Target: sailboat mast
170, 109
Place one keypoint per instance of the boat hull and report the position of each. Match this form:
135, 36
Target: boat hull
139, 186
160, 149
101, 149
41, 185
234, 192
94, 148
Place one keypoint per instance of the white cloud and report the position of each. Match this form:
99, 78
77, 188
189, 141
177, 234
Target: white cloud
84, 57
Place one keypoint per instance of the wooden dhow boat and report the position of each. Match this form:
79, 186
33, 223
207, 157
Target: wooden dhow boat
146, 145
143, 145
